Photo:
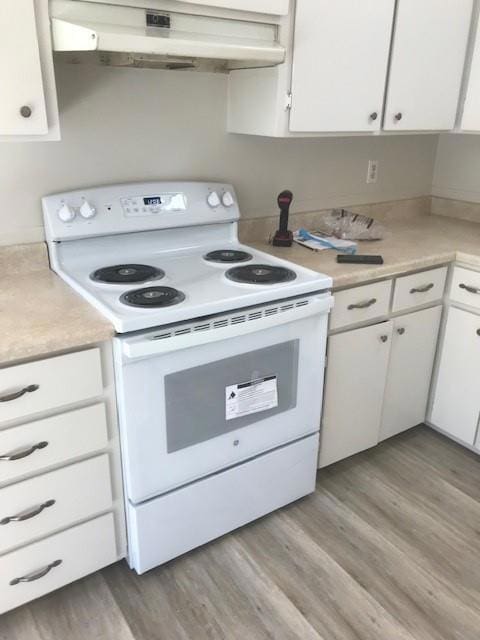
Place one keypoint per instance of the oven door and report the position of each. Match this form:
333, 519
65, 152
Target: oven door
195, 401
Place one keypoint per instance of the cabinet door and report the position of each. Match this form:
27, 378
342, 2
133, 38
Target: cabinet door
355, 383
340, 60
275, 7
471, 110
414, 343
456, 398
22, 106
428, 55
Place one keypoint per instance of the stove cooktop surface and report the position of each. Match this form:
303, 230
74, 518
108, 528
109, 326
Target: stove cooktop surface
155, 253
183, 284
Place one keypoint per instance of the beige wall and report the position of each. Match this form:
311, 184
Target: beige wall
124, 124
457, 168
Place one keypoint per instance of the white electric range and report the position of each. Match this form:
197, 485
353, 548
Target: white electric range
219, 356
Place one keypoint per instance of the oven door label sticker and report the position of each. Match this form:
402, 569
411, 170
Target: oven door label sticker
250, 397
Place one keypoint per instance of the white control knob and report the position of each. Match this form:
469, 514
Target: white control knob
66, 213
227, 199
213, 199
87, 210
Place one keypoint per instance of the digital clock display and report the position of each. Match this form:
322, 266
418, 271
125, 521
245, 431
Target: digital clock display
153, 201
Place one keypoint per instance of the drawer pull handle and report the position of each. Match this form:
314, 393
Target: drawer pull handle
19, 394
36, 575
469, 288
25, 453
401, 331
362, 305
28, 514
384, 338
423, 289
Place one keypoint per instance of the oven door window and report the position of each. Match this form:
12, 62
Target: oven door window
199, 400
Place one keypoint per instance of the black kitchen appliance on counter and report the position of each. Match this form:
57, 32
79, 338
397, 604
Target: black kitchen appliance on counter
283, 236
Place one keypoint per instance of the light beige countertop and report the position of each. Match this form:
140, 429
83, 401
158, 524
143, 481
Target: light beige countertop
409, 245
39, 313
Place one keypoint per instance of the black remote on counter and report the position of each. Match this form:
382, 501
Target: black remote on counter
347, 258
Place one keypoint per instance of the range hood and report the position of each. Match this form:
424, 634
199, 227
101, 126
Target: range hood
156, 36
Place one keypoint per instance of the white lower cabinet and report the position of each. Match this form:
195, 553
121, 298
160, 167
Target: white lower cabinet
378, 377
456, 398
357, 364
413, 347
61, 511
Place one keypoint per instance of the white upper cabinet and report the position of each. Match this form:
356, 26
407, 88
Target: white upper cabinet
340, 64
275, 7
471, 112
346, 72
427, 60
28, 108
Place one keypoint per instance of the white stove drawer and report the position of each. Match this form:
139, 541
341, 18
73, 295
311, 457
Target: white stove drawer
47, 503
49, 564
26, 389
33, 447
159, 529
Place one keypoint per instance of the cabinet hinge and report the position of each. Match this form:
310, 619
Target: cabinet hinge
288, 102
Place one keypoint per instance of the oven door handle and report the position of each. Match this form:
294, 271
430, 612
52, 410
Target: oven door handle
148, 346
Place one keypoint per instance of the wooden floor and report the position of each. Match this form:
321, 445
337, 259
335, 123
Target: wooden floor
388, 548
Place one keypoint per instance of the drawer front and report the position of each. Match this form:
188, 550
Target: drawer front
47, 384
49, 564
419, 288
32, 447
159, 529
360, 304
42, 505
465, 287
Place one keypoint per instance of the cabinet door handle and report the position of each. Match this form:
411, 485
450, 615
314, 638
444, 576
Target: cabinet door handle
384, 338
373, 116
28, 514
398, 116
36, 575
362, 305
18, 394
469, 288
25, 452
423, 289
401, 331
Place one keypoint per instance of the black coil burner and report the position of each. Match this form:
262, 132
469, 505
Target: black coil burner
260, 274
152, 297
127, 274
228, 255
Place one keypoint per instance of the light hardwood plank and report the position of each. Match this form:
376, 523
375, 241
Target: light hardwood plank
336, 604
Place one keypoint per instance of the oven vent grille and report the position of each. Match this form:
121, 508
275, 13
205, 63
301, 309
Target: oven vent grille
225, 321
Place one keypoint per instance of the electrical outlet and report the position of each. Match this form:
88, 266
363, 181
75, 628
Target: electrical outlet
372, 172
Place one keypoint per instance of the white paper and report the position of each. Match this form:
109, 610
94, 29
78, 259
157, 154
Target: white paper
250, 397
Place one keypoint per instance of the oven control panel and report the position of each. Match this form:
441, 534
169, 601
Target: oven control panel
148, 205
126, 208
